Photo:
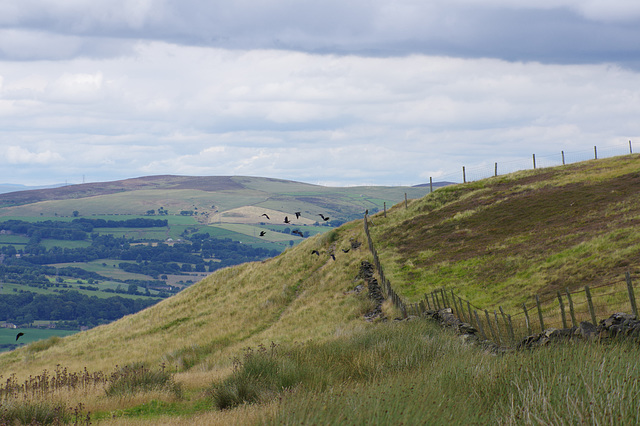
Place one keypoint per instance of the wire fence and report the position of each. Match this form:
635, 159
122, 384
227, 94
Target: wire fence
562, 309
483, 171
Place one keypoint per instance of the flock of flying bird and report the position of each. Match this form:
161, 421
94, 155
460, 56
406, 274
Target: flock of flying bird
286, 220
298, 214
298, 232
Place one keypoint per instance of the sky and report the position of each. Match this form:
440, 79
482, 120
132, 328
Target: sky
375, 92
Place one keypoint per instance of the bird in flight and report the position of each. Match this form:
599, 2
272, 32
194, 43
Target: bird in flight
297, 232
316, 252
333, 256
298, 215
266, 215
346, 250
18, 336
286, 219
262, 233
323, 217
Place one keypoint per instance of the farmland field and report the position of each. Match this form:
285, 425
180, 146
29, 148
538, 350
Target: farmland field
8, 335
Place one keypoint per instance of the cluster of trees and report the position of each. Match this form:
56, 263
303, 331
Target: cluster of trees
37, 275
24, 308
194, 255
128, 223
75, 230
161, 212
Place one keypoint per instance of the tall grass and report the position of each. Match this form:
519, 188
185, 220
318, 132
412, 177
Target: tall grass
437, 380
136, 378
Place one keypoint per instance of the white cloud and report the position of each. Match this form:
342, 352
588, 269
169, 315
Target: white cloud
198, 110
19, 155
75, 88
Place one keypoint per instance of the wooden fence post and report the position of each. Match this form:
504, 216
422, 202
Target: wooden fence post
462, 316
563, 158
406, 203
534, 161
385, 209
479, 324
495, 314
513, 337
495, 173
464, 175
437, 299
632, 297
564, 316
595, 153
574, 323
470, 316
630, 149
445, 302
508, 325
486, 314
526, 316
540, 313
430, 184
426, 296
591, 310
455, 305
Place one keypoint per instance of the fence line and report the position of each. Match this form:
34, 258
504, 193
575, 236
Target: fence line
550, 309
536, 161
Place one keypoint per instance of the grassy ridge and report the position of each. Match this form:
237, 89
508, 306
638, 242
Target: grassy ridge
501, 240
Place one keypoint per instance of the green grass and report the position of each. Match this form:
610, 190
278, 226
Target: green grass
414, 373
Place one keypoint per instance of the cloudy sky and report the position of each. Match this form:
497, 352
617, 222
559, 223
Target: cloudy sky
387, 92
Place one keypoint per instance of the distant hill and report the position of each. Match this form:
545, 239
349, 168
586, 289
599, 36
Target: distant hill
435, 184
213, 199
10, 187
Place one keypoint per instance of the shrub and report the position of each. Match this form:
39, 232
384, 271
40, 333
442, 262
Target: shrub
258, 375
42, 345
23, 412
137, 377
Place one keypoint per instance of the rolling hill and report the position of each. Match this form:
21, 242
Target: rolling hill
213, 199
495, 241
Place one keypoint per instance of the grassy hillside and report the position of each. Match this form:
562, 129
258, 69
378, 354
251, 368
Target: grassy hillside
500, 240
493, 240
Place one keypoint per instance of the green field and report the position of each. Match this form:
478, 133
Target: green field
8, 335
10, 288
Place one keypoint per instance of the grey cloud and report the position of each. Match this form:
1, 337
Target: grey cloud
560, 32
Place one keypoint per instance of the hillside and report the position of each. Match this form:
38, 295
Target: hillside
500, 240
492, 240
213, 199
